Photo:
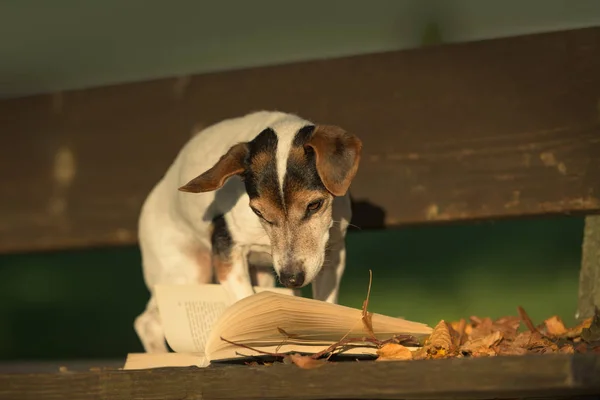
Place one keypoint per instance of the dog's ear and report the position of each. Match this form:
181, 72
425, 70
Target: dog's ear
337, 157
231, 163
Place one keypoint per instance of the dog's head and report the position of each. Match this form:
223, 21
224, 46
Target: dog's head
291, 181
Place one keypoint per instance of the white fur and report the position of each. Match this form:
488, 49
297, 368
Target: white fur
284, 143
174, 230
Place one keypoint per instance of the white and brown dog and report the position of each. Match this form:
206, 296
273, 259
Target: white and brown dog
270, 183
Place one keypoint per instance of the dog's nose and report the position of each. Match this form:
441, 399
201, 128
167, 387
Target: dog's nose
292, 280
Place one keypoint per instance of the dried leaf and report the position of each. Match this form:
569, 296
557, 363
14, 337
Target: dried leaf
439, 344
457, 332
509, 349
462, 335
525, 318
522, 340
555, 326
286, 334
366, 315
251, 348
575, 332
468, 330
305, 362
535, 342
592, 333
508, 326
481, 327
459, 326
483, 352
482, 344
567, 349
393, 351
420, 354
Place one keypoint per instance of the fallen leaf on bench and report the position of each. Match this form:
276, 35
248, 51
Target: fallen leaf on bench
534, 341
439, 344
567, 349
393, 351
306, 362
576, 331
481, 327
460, 330
555, 326
507, 326
482, 345
509, 349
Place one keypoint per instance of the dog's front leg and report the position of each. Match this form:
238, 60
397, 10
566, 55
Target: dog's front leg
233, 273
327, 283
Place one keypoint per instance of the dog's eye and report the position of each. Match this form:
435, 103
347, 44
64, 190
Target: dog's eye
314, 206
261, 216
257, 212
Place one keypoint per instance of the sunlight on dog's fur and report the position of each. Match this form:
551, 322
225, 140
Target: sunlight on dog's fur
268, 182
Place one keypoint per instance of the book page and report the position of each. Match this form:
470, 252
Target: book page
162, 360
189, 312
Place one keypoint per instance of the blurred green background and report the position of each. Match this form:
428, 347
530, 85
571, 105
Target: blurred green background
81, 304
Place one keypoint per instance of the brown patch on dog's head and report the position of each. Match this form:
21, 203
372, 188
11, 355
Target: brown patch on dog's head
260, 178
261, 160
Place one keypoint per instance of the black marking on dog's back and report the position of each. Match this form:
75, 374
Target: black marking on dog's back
302, 172
263, 182
221, 239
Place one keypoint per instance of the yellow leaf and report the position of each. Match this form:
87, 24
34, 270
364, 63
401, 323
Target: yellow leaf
555, 326
306, 362
393, 351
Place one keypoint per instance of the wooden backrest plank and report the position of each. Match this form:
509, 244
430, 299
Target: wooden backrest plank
490, 129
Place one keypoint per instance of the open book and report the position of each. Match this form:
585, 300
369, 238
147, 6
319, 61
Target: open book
196, 317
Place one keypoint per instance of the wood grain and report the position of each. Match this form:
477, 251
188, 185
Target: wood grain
549, 376
589, 275
490, 129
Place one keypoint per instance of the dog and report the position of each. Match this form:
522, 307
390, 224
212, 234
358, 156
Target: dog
269, 186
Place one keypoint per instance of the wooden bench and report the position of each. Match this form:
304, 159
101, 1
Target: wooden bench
505, 128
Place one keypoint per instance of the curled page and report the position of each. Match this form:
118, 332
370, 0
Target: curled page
189, 313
